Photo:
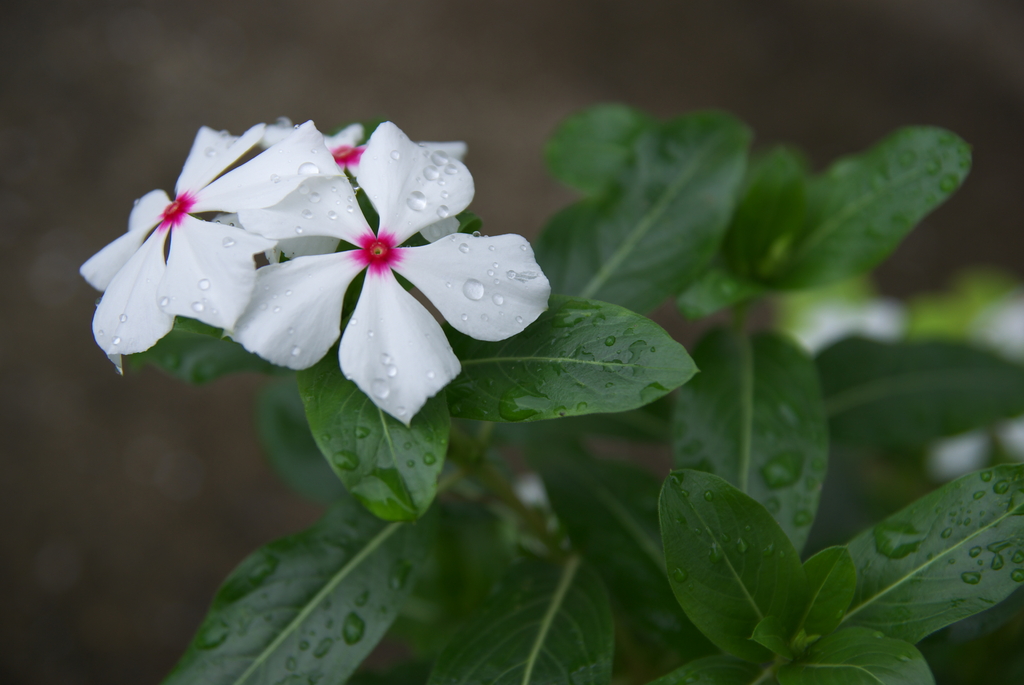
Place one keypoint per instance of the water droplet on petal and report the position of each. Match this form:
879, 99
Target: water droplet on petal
274, 178
417, 201
307, 214
314, 197
519, 319
210, 152
451, 169
464, 317
473, 289
228, 242
380, 388
396, 155
442, 211
204, 284
122, 318
296, 351
430, 375
498, 299
391, 370
463, 248
116, 340
431, 173
198, 306
308, 168
164, 301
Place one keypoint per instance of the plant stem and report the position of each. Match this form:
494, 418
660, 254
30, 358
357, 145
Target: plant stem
746, 393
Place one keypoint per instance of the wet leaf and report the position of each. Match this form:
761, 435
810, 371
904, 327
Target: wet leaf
720, 669
857, 656
832, 580
714, 290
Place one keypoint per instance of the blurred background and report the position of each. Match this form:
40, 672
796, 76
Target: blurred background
125, 501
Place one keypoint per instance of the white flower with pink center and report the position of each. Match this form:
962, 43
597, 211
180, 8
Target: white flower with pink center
489, 288
208, 272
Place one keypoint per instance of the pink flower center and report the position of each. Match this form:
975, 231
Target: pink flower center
347, 156
378, 252
176, 212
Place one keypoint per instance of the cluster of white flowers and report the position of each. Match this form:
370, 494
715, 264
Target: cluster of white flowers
295, 198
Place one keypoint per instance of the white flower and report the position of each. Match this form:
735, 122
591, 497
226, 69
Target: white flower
209, 272
344, 145
487, 287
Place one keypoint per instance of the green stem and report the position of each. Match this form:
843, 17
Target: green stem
746, 393
493, 480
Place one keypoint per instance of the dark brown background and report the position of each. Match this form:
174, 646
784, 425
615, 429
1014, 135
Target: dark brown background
123, 502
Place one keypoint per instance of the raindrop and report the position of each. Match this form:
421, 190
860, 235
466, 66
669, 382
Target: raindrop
307, 214
429, 459
380, 388
948, 183
164, 301
352, 629
463, 248
708, 495
679, 575
228, 242
332, 215
345, 460
1018, 557
802, 518
314, 197
473, 289
308, 168
431, 173
391, 370
296, 350
399, 572
484, 317
975, 551
971, 578
741, 545
116, 340
323, 647
439, 158
451, 169
511, 274
212, 635
444, 194
519, 319
1001, 487
946, 533
396, 155
464, 317
122, 318
609, 341
782, 470
210, 152
204, 284
417, 201
430, 375
442, 211
896, 540
715, 555
198, 306
498, 299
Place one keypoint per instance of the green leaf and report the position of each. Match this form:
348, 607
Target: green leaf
309, 605
857, 656
543, 624
953, 553
754, 416
906, 394
289, 446
649, 423
579, 357
610, 511
473, 549
716, 289
720, 669
407, 673
988, 621
771, 633
862, 207
195, 353
654, 230
729, 563
769, 215
832, 580
390, 467
591, 148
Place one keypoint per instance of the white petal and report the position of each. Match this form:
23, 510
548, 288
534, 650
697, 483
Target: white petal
210, 272
394, 350
305, 247
322, 205
295, 313
440, 229
411, 186
268, 177
212, 153
276, 132
127, 319
349, 136
489, 288
103, 265
456, 149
